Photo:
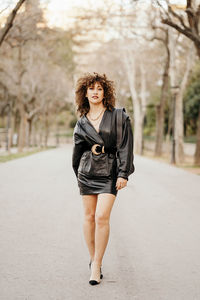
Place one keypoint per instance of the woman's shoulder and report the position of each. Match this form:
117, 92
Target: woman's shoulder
80, 123
122, 110
116, 109
78, 128
82, 120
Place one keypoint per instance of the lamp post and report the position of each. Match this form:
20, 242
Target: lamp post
174, 94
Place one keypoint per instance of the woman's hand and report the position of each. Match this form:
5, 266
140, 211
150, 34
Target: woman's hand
121, 183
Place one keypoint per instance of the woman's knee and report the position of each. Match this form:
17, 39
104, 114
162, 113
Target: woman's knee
101, 219
90, 217
89, 203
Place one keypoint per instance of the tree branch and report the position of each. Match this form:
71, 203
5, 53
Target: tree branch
3, 9
9, 22
191, 35
177, 16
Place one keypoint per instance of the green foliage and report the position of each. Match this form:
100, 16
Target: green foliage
129, 109
73, 121
150, 120
192, 102
190, 139
7, 157
129, 106
61, 123
167, 117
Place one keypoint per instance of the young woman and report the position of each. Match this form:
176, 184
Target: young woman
101, 165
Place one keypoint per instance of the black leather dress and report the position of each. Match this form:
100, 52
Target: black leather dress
97, 174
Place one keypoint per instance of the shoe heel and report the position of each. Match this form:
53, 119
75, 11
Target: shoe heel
94, 282
101, 276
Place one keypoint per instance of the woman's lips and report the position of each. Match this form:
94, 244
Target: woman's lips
95, 97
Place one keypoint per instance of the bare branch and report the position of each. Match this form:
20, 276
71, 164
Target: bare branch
9, 22
158, 27
194, 37
3, 9
177, 16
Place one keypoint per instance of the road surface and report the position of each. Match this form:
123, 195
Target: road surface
154, 247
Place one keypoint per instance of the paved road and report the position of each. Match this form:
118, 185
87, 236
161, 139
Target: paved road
154, 247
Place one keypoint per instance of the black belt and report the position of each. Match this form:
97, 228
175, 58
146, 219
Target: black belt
98, 149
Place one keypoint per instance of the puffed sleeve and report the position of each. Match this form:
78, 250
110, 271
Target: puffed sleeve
125, 150
78, 148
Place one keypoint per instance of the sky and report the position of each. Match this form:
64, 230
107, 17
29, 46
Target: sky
59, 12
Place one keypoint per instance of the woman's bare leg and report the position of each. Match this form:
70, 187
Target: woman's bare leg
89, 204
102, 229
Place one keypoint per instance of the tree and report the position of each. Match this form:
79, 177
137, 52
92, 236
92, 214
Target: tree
161, 34
37, 72
192, 109
186, 23
139, 102
9, 22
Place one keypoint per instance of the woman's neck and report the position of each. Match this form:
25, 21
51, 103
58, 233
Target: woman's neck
95, 108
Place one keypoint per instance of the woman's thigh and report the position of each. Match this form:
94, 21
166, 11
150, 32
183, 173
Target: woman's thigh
89, 204
104, 205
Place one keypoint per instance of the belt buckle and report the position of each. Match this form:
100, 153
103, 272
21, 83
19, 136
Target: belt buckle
93, 149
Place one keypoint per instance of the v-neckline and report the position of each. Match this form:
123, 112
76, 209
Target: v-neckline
98, 132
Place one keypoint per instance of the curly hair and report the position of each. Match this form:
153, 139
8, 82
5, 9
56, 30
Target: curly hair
88, 80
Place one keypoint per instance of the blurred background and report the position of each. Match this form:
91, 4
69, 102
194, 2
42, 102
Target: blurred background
150, 49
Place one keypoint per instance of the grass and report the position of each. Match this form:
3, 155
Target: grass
188, 164
68, 133
11, 156
187, 139
190, 139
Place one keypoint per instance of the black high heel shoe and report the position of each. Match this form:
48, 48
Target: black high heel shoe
101, 275
92, 281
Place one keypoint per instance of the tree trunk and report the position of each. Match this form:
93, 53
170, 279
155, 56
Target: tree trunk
41, 136
34, 133
8, 129
22, 112
138, 111
197, 151
198, 49
12, 126
179, 134
46, 130
173, 85
179, 119
161, 106
29, 123
143, 99
22, 128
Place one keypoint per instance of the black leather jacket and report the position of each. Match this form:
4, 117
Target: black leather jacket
85, 136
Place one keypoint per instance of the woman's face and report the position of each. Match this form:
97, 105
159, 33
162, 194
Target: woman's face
95, 93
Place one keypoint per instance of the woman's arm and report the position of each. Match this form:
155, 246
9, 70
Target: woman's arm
125, 150
78, 148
